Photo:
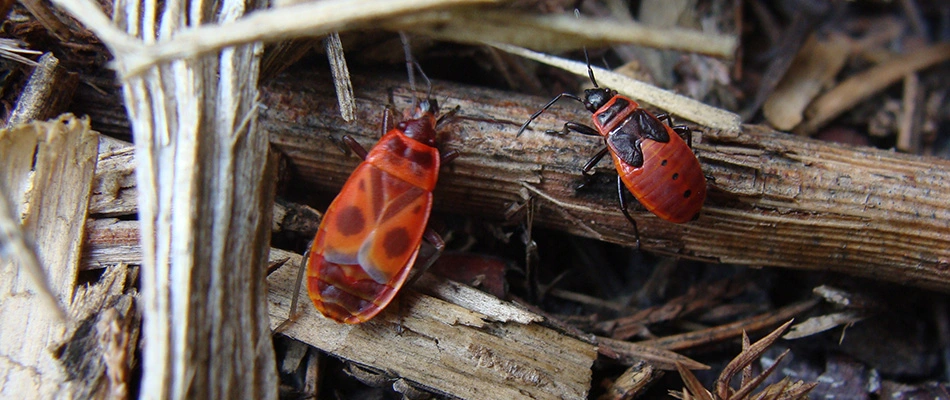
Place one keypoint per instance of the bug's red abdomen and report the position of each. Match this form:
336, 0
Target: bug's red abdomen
370, 235
670, 183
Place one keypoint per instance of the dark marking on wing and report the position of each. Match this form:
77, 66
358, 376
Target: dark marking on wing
422, 159
396, 242
624, 142
350, 221
650, 127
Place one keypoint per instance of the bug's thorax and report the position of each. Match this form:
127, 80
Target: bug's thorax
612, 113
408, 151
420, 122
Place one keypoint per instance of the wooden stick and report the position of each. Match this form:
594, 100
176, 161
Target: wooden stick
633, 382
46, 94
776, 200
719, 333
205, 186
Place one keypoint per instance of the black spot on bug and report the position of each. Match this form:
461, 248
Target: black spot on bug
396, 242
350, 221
687, 193
676, 176
663, 163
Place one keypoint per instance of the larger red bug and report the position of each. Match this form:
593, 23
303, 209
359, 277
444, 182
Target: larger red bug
370, 235
652, 159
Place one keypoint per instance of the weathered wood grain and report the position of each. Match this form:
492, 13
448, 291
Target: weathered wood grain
47, 170
774, 199
448, 338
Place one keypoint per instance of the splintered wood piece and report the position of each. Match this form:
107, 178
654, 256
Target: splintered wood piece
440, 345
111, 241
114, 192
341, 76
46, 170
775, 199
47, 93
452, 343
633, 382
99, 350
814, 68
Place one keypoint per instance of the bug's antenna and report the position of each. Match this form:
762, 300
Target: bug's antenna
425, 77
590, 71
409, 65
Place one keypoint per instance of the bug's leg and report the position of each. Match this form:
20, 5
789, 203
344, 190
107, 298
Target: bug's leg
547, 106
447, 117
574, 127
448, 156
622, 196
418, 269
355, 146
389, 117
436, 241
685, 133
292, 315
586, 171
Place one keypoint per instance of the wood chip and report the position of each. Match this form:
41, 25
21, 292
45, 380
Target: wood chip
47, 171
445, 347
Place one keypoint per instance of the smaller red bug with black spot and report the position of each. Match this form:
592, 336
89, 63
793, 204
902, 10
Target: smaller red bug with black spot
370, 235
652, 159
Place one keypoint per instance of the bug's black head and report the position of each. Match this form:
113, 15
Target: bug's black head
425, 106
420, 122
595, 98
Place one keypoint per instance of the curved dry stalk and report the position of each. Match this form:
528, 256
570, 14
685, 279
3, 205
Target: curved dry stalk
312, 19
678, 105
560, 32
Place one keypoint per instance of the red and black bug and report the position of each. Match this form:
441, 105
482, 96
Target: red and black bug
652, 159
370, 235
